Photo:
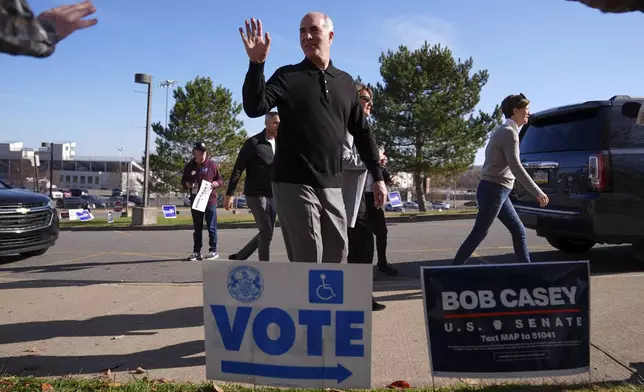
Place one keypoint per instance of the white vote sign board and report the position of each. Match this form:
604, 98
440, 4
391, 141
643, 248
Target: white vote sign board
201, 199
299, 325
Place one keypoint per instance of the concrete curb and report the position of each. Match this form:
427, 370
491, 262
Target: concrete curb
250, 225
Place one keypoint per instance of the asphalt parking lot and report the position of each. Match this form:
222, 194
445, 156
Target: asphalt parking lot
120, 300
157, 256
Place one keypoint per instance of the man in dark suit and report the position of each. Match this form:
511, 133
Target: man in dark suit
256, 157
377, 221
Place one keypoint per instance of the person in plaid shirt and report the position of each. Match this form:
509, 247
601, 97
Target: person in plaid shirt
23, 34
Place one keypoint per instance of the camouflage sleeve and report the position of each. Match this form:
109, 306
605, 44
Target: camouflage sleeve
23, 34
614, 6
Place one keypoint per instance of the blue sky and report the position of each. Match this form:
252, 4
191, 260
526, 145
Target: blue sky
554, 51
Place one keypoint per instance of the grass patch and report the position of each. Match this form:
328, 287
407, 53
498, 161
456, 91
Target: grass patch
184, 218
20, 384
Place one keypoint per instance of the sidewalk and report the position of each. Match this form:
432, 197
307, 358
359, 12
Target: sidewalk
72, 329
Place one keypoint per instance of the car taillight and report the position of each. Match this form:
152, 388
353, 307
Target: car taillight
598, 172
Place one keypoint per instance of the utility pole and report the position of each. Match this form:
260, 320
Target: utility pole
120, 171
167, 85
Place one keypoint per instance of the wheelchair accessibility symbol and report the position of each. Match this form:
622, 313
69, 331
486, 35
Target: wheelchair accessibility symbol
326, 287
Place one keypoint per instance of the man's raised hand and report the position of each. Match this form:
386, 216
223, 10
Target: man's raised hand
257, 47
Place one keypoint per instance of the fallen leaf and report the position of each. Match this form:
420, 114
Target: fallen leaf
118, 337
113, 384
108, 373
138, 370
217, 388
164, 380
399, 385
46, 387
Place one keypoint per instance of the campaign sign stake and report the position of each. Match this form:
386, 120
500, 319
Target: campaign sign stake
297, 325
508, 320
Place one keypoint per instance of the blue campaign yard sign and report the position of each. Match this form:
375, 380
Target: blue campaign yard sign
169, 211
84, 216
296, 325
394, 199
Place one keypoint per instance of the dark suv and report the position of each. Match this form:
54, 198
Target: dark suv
28, 222
589, 159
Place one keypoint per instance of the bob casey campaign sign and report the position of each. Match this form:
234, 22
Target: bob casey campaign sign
508, 320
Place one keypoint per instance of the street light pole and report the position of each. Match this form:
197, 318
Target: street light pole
167, 84
146, 79
120, 171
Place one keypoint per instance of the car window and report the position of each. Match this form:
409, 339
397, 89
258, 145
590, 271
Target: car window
579, 130
625, 133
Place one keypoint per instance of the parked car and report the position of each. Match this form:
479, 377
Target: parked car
73, 202
390, 208
28, 222
96, 201
471, 203
589, 159
410, 205
441, 205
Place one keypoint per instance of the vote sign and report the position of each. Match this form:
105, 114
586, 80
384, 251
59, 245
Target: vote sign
394, 199
169, 211
508, 320
298, 325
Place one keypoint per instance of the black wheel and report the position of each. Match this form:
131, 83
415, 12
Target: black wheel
34, 253
570, 245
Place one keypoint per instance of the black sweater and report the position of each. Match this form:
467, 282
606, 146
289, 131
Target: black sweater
316, 109
256, 157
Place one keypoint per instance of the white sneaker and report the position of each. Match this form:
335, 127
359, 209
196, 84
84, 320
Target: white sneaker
195, 256
212, 256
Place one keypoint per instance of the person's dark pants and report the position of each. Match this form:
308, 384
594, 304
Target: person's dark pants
264, 212
378, 224
494, 202
360, 238
210, 216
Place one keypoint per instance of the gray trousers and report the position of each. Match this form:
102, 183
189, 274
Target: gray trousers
313, 221
263, 211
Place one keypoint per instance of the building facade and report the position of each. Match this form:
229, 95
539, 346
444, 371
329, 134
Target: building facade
24, 167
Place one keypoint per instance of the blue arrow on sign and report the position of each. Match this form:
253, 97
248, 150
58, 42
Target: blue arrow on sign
338, 373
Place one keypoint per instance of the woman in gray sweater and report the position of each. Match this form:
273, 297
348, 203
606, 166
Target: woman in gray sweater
502, 166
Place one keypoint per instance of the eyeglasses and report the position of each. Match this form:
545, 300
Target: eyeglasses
365, 98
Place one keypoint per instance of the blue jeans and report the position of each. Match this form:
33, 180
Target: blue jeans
211, 223
494, 202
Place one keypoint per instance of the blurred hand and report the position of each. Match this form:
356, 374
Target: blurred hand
543, 200
228, 202
612, 6
379, 193
68, 18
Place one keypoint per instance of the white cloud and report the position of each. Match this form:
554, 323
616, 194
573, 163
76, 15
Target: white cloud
413, 30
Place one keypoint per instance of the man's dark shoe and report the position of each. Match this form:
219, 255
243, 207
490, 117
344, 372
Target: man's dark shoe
375, 306
233, 256
387, 269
